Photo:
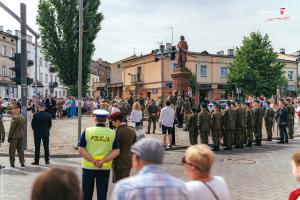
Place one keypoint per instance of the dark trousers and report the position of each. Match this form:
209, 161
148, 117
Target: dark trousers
37, 144
179, 117
283, 133
173, 135
88, 182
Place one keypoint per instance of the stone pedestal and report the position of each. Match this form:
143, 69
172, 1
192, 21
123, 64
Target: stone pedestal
181, 81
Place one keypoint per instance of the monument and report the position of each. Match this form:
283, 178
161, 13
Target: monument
181, 77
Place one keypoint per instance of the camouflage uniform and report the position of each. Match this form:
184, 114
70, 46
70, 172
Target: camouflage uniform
187, 110
290, 120
239, 124
203, 125
193, 128
269, 120
2, 131
229, 126
216, 128
244, 132
249, 121
258, 120
15, 139
152, 110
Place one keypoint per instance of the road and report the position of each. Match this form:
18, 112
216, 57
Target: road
252, 173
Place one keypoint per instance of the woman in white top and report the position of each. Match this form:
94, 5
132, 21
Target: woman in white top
198, 161
136, 115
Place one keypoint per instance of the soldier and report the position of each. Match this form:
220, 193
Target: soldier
2, 135
290, 118
249, 122
216, 127
187, 110
15, 137
179, 111
192, 127
229, 125
152, 110
269, 120
258, 120
239, 124
203, 124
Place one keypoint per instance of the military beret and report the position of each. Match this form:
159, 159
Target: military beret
114, 116
256, 101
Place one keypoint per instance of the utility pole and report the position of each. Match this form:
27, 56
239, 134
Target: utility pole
80, 66
24, 69
172, 29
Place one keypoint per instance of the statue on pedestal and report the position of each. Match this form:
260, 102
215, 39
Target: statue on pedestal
182, 52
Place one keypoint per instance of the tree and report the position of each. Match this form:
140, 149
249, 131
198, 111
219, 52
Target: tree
255, 68
59, 23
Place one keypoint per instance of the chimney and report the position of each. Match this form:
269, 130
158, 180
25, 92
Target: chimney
230, 52
162, 48
282, 50
220, 53
1, 28
9, 32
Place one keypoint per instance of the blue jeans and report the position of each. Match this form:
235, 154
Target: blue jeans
283, 133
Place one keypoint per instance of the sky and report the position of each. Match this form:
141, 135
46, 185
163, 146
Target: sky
211, 25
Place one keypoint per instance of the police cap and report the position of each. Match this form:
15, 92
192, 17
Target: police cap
100, 113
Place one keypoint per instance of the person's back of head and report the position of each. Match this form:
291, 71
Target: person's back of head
58, 184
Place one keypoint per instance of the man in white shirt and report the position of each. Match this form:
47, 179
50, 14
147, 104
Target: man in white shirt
166, 121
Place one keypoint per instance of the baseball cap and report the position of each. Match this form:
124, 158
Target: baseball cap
149, 149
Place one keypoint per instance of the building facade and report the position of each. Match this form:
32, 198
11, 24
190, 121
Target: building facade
47, 80
8, 45
99, 79
143, 76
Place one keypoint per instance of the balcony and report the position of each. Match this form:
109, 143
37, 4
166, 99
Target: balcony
137, 79
53, 84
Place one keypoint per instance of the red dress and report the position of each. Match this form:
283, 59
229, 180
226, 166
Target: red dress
295, 194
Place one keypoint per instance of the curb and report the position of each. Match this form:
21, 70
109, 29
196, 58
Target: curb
31, 155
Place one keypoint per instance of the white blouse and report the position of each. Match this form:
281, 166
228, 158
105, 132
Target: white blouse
136, 116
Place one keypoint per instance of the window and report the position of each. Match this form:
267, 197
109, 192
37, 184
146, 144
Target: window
51, 78
55, 79
3, 70
119, 66
41, 62
2, 50
290, 75
56, 93
203, 70
12, 52
224, 72
46, 78
41, 77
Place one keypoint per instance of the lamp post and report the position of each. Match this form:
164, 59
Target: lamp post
80, 66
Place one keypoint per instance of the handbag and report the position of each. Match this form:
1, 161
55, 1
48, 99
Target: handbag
211, 190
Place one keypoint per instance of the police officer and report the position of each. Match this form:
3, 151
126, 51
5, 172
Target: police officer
204, 124
290, 118
216, 127
2, 135
269, 120
187, 110
98, 146
192, 127
258, 120
15, 137
229, 125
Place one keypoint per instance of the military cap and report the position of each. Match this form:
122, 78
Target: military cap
114, 116
100, 113
256, 101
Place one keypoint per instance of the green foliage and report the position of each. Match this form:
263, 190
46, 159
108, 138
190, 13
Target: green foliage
193, 80
59, 27
255, 68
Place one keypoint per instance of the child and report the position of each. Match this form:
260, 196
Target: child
296, 172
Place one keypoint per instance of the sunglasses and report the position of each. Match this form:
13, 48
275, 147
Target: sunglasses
190, 164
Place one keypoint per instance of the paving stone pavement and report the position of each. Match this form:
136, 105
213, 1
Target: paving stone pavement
63, 135
258, 173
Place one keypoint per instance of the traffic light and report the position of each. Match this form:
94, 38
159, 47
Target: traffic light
16, 68
173, 53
